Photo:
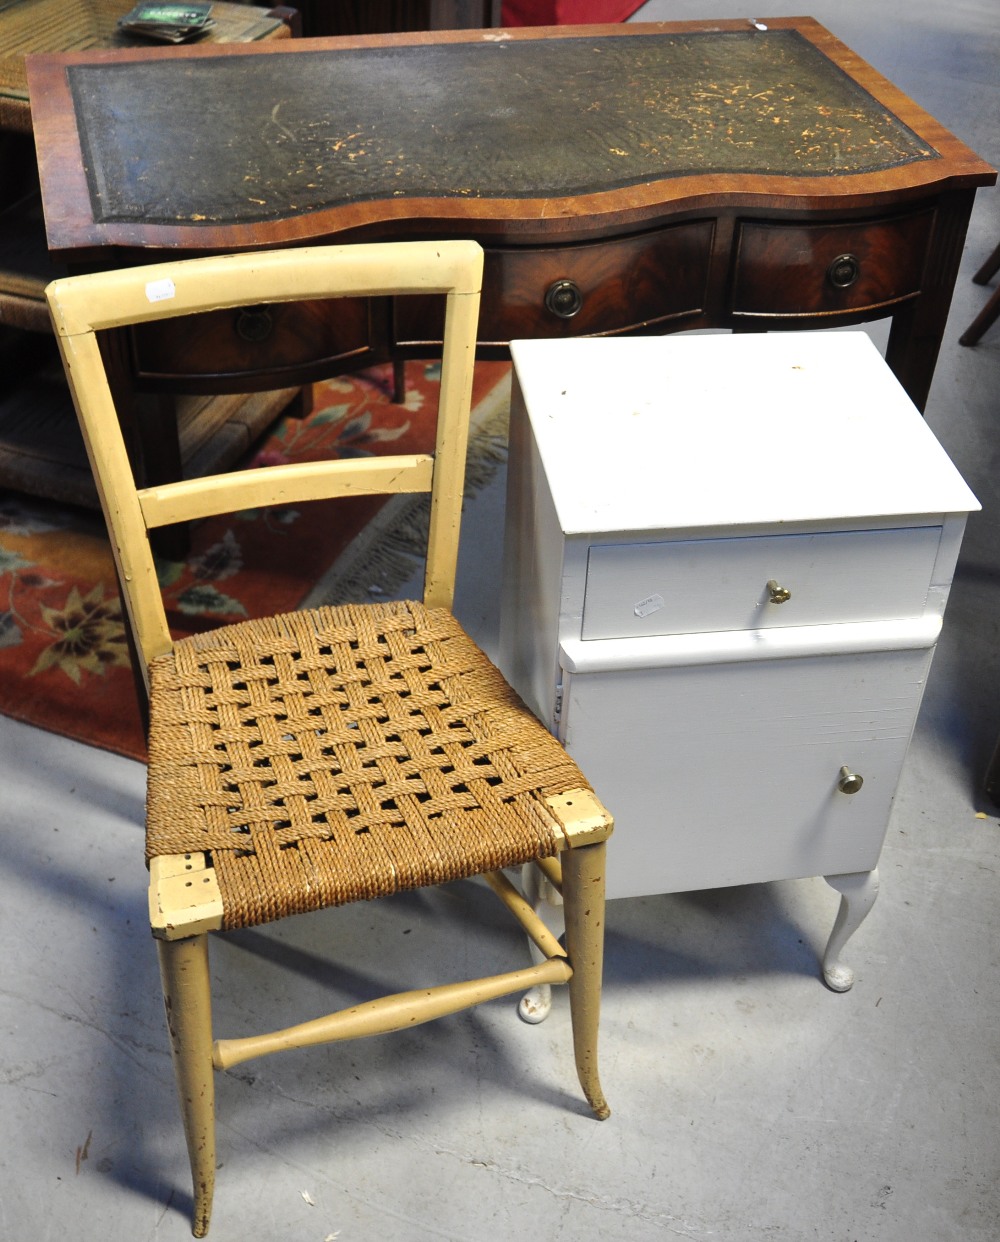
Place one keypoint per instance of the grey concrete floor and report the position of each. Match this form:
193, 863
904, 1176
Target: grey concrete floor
749, 1102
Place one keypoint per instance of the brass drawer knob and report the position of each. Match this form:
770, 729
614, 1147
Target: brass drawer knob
254, 324
843, 271
777, 594
564, 299
849, 782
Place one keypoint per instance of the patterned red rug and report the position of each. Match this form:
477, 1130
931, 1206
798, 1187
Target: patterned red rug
64, 663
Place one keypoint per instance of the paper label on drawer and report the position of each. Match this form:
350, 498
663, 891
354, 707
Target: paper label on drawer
160, 290
649, 605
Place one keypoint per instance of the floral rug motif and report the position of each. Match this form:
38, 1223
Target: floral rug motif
64, 661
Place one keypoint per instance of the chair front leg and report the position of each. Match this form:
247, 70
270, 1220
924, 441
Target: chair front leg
188, 1003
583, 869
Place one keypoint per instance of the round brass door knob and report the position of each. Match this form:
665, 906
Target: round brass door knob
849, 782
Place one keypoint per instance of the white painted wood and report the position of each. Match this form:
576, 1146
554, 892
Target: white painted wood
857, 896
655, 486
747, 646
702, 432
690, 586
727, 774
534, 576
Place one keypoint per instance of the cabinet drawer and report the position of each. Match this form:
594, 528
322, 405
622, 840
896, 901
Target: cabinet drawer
238, 349
703, 586
612, 286
823, 269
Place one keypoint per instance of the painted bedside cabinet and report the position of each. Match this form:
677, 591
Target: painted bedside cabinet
726, 564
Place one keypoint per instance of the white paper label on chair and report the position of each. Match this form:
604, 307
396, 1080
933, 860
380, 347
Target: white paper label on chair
160, 290
646, 607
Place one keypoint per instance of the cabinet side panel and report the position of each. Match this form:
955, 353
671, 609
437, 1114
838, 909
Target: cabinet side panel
532, 571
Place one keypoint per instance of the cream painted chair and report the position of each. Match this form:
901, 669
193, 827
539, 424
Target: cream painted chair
335, 755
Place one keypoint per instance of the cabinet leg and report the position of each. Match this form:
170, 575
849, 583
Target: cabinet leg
536, 1004
857, 896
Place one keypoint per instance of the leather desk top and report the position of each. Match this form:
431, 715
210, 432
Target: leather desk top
533, 133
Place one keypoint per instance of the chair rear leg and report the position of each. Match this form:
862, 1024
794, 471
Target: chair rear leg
583, 900
536, 1004
188, 1003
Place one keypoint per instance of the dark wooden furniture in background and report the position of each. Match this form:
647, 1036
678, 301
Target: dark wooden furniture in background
41, 451
352, 17
986, 318
637, 178
991, 311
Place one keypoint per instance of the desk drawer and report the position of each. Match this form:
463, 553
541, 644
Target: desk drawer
613, 286
823, 269
240, 350
703, 586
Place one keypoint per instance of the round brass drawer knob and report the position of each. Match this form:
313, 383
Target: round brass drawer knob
843, 271
254, 324
777, 594
564, 299
849, 782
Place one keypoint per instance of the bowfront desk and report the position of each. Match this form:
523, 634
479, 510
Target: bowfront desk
623, 179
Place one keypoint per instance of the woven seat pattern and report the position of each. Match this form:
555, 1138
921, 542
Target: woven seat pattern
340, 754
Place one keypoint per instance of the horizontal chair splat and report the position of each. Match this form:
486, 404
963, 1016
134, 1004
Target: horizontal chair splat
299, 481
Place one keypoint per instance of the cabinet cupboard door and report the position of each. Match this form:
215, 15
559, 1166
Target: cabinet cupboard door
729, 774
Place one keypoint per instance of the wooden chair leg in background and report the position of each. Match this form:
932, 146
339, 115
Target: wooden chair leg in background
988, 315
992, 782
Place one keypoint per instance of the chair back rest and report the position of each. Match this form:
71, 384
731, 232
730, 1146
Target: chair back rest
82, 306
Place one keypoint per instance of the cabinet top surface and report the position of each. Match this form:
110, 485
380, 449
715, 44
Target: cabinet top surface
526, 125
678, 433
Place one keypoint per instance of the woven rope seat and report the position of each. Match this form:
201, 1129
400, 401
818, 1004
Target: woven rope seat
339, 754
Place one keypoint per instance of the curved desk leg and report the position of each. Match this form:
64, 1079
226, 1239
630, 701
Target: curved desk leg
535, 1005
857, 896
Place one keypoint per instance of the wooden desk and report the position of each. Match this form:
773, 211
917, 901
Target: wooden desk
642, 178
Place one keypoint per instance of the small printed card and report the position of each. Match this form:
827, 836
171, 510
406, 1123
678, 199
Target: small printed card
173, 23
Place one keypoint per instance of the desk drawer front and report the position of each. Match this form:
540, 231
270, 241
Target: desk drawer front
705, 586
238, 349
613, 286
823, 269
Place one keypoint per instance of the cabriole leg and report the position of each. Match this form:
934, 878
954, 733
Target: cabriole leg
583, 903
857, 896
187, 999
